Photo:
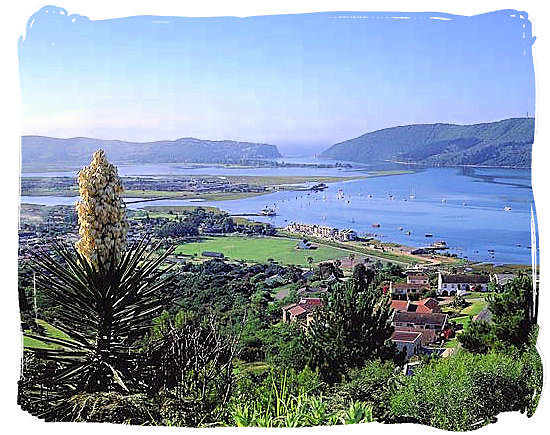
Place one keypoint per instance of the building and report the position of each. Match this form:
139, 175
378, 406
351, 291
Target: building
411, 342
436, 321
404, 289
427, 336
417, 278
423, 306
323, 232
212, 254
458, 284
400, 305
427, 305
302, 311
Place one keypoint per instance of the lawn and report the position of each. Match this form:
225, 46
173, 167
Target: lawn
260, 249
475, 308
49, 331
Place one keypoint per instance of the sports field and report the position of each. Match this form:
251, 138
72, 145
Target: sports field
260, 249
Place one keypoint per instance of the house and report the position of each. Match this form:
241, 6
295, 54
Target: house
400, 305
428, 336
411, 342
406, 289
427, 305
417, 278
302, 311
436, 321
212, 254
458, 284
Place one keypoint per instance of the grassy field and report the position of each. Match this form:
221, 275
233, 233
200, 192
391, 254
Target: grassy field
260, 249
49, 331
475, 308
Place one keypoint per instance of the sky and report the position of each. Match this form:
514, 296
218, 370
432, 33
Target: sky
301, 82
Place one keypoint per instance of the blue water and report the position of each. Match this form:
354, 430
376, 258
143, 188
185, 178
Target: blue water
471, 219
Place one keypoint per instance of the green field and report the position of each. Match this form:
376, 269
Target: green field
475, 308
49, 331
260, 249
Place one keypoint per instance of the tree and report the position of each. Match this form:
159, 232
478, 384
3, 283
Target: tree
477, 337
352, 327
514, 311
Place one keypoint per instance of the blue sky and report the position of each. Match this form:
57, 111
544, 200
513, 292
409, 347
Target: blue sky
302, 82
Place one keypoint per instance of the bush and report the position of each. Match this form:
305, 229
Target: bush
467, 391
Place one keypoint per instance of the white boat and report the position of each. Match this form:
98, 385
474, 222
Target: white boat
268, 212
507, 208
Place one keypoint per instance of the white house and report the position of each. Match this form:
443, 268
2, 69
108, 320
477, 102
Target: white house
458, 284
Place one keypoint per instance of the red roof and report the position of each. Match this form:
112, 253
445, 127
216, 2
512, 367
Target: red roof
428, 305
297, 310
398, 305
317, 302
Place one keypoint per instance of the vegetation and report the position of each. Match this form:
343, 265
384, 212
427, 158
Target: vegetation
354, 326
503, 143
260, 249
122, 337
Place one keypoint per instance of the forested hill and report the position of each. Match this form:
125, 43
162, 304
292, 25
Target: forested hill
504, 143
40, 149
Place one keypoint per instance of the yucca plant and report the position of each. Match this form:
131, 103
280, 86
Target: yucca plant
106, 293
102, 311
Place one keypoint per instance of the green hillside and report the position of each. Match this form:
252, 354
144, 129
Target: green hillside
503, 143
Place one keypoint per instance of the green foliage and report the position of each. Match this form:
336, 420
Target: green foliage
466, 391
374, 384
477, 337
507, 142
353, 327
290, 399
102, 311
514, 311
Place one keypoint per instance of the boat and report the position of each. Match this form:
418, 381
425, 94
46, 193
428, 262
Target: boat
376, 225
370, 196
428, 235
400, 228
440, 244
507, 208
319, 187
408, 233
268, 212
443, 200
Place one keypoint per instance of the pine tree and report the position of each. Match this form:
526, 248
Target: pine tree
354, 326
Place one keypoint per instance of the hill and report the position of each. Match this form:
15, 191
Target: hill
41, 149
504, 143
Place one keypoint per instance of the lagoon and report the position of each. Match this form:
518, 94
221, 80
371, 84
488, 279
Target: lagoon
463, 206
